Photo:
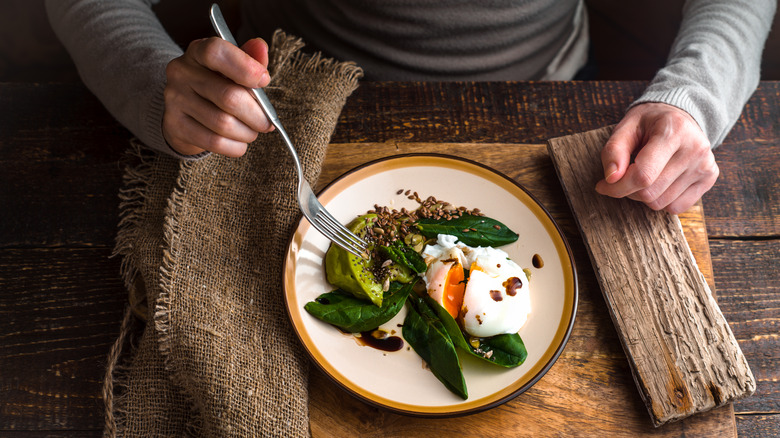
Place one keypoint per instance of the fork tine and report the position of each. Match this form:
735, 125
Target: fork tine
342, 233
341, 229
329, 231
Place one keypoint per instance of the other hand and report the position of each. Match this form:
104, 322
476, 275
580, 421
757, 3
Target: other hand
207, 104
673, 164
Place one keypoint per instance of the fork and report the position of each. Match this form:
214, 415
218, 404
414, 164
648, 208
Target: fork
311, 207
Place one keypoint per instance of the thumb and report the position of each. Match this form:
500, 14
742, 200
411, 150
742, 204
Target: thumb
257, 49
616, 154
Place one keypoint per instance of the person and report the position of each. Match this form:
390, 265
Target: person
195, 102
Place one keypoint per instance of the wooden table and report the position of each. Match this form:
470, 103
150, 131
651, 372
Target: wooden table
61, 298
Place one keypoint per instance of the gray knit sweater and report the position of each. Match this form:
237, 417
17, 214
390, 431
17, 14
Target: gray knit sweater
121, 49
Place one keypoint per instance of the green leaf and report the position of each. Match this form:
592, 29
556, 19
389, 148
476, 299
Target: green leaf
403, 255
429, 339
507, 350
355, 315
470, 230
449, 323
503, 350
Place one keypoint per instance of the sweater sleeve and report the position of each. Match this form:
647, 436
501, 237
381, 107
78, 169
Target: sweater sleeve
714, 64
121, 51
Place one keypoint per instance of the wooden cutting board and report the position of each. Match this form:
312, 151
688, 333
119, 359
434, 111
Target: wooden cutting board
683, 355
588, 392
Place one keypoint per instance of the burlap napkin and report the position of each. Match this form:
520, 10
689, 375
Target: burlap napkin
204, 242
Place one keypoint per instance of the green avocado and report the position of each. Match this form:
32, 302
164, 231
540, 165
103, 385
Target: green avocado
401, 274
351, 273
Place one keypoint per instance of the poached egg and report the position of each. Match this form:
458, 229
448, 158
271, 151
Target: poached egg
493, 300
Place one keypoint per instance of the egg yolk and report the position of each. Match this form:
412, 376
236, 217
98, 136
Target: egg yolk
475, 267
454, 287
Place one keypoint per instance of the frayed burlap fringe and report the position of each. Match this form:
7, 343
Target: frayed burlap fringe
113, 369
202, 244
147, 182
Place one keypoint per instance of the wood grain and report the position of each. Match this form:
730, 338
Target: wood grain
683, 355
61, 150
591, 377
61, 167
749, 294
752, 181
571, 400
60, 170
59, 314
764, 426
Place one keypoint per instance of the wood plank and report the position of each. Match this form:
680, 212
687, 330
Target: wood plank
746, 273
695, 231
65, 127
592, 373
60, 153
683, 355
745, 201
758, 425
536, 112
572, 399
60, 311
514, 112
60, 167
746, 198
480, 112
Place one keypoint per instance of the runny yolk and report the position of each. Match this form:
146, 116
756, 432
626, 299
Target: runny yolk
454, 287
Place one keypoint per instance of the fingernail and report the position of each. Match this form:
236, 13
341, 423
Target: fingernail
265, 79
611, 170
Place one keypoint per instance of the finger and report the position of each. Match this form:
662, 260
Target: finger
703, 175
184, 149
257, 48
689, 197
190, 133
224, 124
616, 154
688, 165
665, 197
232, 62
648, 165
173, 135
230, 98
664, 185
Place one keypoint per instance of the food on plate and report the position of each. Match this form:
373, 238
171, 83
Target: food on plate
442, 264
492, 299
363, 277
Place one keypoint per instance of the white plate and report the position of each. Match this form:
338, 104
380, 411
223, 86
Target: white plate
398, 381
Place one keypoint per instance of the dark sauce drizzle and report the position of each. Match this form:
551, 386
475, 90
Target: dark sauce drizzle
512, 284
385, 342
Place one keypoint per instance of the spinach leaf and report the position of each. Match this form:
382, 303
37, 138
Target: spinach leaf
404, 255
449, 324
470, 230
354, 315
507, 350
425, 333
503, 350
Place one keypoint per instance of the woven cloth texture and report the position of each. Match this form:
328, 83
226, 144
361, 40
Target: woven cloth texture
202, 246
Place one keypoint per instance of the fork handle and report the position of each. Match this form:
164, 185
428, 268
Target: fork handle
219, 24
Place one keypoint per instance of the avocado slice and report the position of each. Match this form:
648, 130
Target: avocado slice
351, 273
401, 274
